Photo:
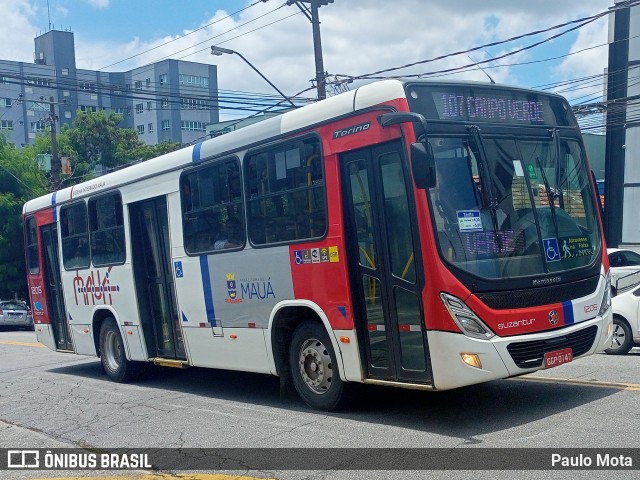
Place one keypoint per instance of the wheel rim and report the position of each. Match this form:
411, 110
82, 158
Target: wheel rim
112, 351
316, 368
618, 337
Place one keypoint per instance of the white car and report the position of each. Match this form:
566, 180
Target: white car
626, 326
625, 269
15, 313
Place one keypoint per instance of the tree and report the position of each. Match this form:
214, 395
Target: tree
95, 139
20, 180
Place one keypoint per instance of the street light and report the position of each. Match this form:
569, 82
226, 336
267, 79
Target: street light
220, 51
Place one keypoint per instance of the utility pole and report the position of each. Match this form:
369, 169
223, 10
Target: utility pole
55, 162
312, 15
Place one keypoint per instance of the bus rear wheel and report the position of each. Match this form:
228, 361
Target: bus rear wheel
112, 355
314, 367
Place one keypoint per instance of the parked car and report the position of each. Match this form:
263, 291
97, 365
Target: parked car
625, 269
626, 327
15, 313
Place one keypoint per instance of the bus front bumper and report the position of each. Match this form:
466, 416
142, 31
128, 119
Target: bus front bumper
503, 357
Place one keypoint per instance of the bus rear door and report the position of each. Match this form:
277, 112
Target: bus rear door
384, 265
155, 289
53, 287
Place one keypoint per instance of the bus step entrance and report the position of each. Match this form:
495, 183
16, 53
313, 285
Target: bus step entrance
168, 362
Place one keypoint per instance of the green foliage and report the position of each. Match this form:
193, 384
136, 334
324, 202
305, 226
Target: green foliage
94, 138
20, 180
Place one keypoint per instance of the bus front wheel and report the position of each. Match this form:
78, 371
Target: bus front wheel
314, 367
112, 355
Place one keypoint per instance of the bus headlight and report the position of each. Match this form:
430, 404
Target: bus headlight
606, 298
464, 317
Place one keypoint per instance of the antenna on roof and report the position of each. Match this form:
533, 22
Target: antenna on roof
49, 15
483, 70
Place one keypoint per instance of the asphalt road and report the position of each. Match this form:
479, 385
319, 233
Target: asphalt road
51, 400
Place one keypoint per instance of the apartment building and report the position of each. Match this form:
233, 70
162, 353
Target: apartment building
170, 100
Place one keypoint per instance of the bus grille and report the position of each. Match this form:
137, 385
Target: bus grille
533, 297
530, 354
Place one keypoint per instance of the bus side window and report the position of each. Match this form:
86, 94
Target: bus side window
106, 226
287, 195
75, 236
211, 195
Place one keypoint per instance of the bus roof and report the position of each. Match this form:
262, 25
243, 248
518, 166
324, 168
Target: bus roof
362, 97
289, 122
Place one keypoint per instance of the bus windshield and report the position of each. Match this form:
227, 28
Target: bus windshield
509, 207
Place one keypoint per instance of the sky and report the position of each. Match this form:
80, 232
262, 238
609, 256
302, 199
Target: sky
358, 37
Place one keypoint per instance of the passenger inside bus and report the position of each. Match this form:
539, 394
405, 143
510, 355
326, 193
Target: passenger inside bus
233, 236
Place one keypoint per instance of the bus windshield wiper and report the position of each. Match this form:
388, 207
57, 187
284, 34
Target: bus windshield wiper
488, 196
486, 181
550, 195
555, 138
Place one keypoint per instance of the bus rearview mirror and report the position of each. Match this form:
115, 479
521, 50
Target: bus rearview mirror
423, 165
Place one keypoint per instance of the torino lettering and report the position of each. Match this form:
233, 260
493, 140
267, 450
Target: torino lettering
95, 288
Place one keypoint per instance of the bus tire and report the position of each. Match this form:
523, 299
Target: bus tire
622, 338
314, 368
112, 353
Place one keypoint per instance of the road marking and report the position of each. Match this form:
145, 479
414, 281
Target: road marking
583, 383
21, 344
182, 476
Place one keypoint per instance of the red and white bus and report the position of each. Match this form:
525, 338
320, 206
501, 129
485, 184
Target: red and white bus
408, 233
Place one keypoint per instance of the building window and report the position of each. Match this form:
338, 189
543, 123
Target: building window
140, 129
149, 105
67, 114
166, 125
192, 104
150, 128
39, 126
148, 82
193, 80
164, 103
66, 93
128, 110
5, 103
107, 230
88, 108
162, 79
192, 126
139, 107
65, 71
38, 107
119, 110
6, 124
138, 85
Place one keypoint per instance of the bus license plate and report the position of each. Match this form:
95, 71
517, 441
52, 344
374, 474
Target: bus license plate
557, 357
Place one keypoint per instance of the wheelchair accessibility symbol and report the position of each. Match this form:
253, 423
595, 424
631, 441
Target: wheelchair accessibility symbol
178, 268
551, 249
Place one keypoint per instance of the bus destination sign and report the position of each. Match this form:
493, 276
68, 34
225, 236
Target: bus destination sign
499, 105
488, 108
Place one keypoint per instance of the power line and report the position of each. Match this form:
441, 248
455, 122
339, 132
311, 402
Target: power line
185, 35
579, 22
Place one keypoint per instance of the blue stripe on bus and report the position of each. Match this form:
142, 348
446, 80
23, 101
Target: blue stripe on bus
208, 294
195, 154
53, 204
568, 313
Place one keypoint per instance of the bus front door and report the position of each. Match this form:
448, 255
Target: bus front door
386, 276
155, 289
53, 284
